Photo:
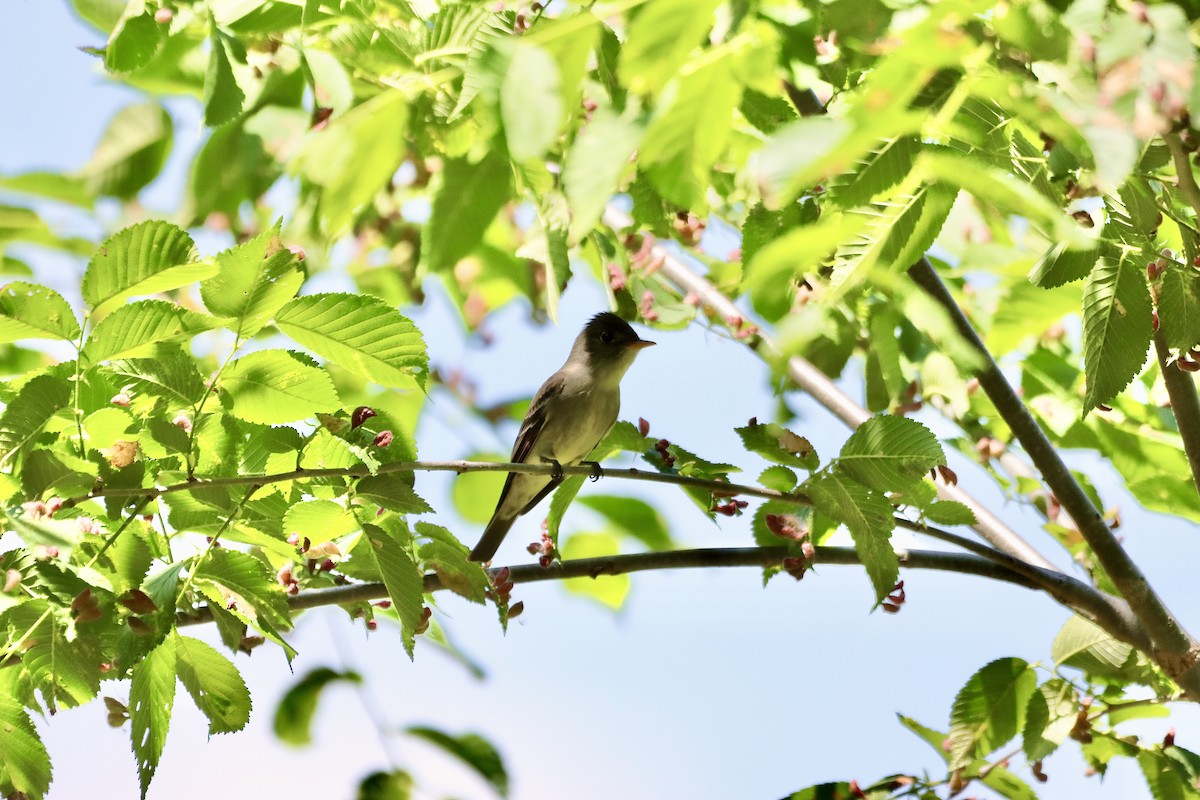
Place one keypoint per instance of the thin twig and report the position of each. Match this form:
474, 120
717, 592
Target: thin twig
1185, 403
1183, 171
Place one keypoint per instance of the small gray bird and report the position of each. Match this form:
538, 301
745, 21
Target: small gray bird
568, 417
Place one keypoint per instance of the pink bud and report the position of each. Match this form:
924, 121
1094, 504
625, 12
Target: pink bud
163, 16
383, 439
183, 422
121, 399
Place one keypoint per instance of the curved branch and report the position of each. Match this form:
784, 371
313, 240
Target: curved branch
1183, 171
1185, 403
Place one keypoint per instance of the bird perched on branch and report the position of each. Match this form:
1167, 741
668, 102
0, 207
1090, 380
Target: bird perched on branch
568, 417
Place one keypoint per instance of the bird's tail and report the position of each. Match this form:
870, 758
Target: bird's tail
493, 535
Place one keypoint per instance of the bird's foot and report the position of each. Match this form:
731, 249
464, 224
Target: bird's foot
597, 473
556, 471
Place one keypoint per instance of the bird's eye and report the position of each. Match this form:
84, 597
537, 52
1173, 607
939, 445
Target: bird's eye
607, 337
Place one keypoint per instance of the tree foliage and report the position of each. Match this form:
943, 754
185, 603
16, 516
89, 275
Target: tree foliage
206, 435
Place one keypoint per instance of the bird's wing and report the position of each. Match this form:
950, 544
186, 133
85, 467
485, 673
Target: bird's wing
531, 429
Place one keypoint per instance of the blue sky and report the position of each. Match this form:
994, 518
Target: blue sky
705, 686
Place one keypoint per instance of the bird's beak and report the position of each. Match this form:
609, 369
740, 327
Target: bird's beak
640, 344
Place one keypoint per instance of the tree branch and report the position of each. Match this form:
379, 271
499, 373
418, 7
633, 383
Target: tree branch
1185, 404
1173, 647
683, 559
1183, 171
811, 380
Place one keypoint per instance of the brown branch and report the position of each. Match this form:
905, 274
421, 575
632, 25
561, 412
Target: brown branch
1185, 403
1183, 171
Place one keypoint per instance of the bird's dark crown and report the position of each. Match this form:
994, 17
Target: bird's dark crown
607, 330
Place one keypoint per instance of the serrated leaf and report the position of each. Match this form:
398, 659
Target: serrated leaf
447, 556
1084, 645
467, 201
403, 580
360, 333
1164, 777
222, 96
531, 104
151, 700
473, 750
24, 762
990, 709
244, 585
214, 683
777, 444
254, 280
877, 171
1117, 327
319, 521
30, 311
298, 706
131, 152
277, 386
173, 377
948, 512
779, 478
27, 414
1060, 265
888, 453
133, 329
596, 162
1049, 718
772, 267
868, 517
1179, 307
391, 492
146, 258
355, 156
65, 670
659, 40
560, 501
133, 42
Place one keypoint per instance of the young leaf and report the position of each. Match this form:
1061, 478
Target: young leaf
24, 762
391, 492
1084, 645
635, 518
65, 670
777, 444
277, 386
27, 414
355, 156
29, 311
172, 377
403, 580
659, 40
1179, 307
990, 709
473, 750
131, 152
877, 171
242, 584
298, 706
360, 333
151, 699
888, 453
146, 258
214, 683
608, 590
222, 95
133, 42
596, 162
1117, 327
531, 103
868, 517
468, 200
133, 329
1060, 265
318, 521
1049, 718
446, 556
254, 280
561, 500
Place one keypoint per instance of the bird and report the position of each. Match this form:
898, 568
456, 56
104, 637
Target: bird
573, 410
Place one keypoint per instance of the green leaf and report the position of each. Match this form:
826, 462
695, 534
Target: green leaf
355, 156
531, 104
868, 517
254, 280
777, 444
888, 453
151, 699
1165, 777
446, 556
796, 155
30, 311
132, 330
467, 201
392, 492
473, 750
560, 501
222, 96
298, 706
173, 377
64, 665
659, 40
319, 521
990, 709
27, 414
214, 683
596, 163
635, 518
1084, 645
403, 580
1060, 265
1117, 327
772, 267
277, 386
131, 152
608, 590
1049, 719
24, 762
51, 185
948, 512
133, 42
146, 258
690, 129
394, 785
877, 171
781, 479
360, 333
1179, 307
246, 587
